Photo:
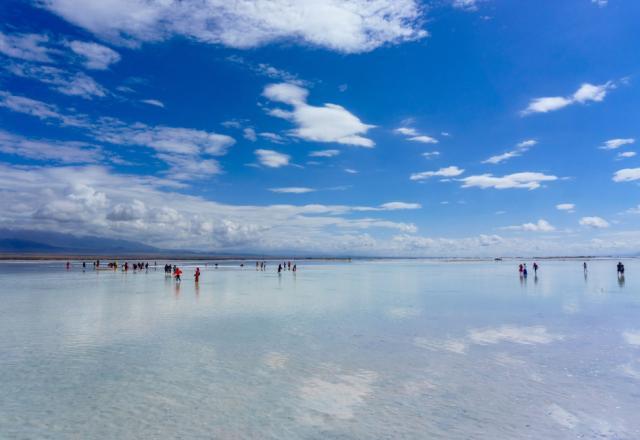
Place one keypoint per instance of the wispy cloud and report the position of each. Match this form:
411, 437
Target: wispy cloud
613, 144
567, 207
95, 56
292, 190
519, 150
153, 102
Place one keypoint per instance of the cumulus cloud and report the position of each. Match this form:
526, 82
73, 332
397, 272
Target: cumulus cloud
527, 180
594, 222
519, 150
612, 144
95, 56
586, 93
567, 207
272, 159
328, 123
292, 190
28, 47
450, 171
539, 226
627, 175
348, 26
324, 153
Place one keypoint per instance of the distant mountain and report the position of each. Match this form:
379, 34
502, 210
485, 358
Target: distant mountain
27, 241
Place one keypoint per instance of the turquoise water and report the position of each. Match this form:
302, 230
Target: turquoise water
383, 349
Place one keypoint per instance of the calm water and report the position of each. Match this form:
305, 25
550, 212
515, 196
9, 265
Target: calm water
362, 350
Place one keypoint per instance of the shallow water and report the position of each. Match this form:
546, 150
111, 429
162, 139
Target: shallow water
382, 349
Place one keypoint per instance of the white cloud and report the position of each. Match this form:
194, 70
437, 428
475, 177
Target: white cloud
267, 70
49, 150
612, 144
567, 207
272, 159
350, 171
96, 56
600, 3
272, 137
466, 5
38, 109
627, 175
292, 190
407, 131
413, 135
163, 139
626, 154
540, 226
348, 26
324, 153
153, 102
28, 47
183, 149
249, 134
74, 84
329, 123
451, 171
431, 154
587, 92
424, 139
528, 180
594, 222
389, 206
520, 149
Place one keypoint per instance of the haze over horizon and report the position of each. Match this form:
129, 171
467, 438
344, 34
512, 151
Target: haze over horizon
381, 128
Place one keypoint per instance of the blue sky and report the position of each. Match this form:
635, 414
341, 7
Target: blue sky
383, 127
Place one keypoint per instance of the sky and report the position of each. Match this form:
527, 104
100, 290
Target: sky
325, 127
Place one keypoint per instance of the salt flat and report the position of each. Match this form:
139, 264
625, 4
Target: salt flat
368, 349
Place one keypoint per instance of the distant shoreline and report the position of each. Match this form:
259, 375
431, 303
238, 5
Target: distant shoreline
186, 257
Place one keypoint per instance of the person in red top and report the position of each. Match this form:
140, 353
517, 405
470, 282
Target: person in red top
178, 272
197, 274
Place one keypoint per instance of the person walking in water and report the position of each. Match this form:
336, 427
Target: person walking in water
620, 267
197, 274
535, 268
177, 272
584, 266
279, 268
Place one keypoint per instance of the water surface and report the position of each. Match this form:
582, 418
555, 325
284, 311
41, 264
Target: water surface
381, 349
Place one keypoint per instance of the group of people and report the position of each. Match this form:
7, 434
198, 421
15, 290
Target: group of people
287, 266
522, 268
